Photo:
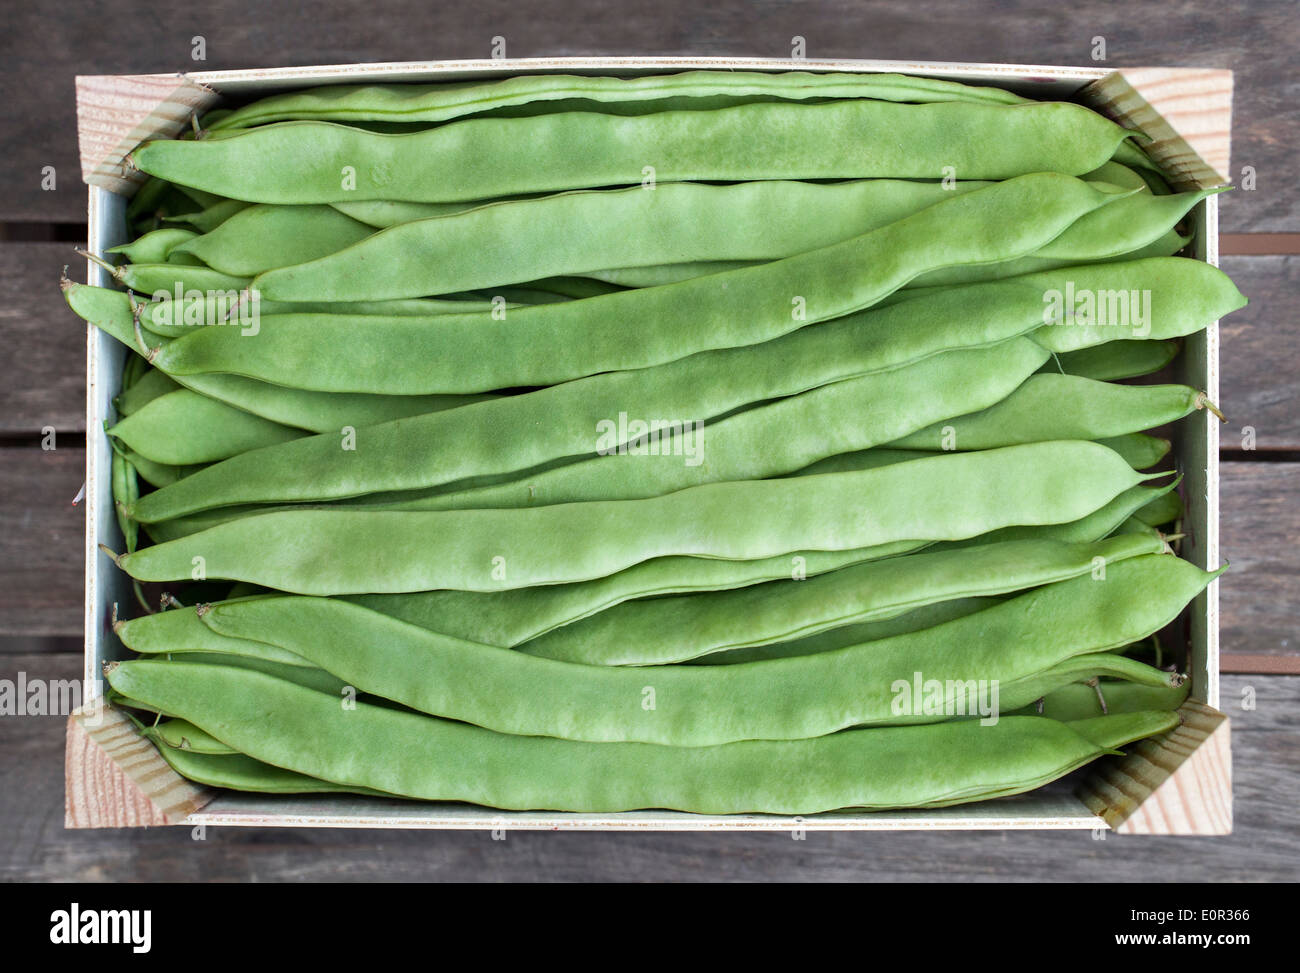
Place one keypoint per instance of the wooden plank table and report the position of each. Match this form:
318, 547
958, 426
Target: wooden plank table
41, 560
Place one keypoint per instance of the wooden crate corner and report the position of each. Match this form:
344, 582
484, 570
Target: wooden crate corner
1176, 784
115, 778
1187, 112
116, 112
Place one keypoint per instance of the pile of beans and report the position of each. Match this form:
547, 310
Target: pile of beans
721, 442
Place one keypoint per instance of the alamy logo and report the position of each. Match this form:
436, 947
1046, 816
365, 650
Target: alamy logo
950, 697
42, 697
93, 926
654, 437
202, 309
1102, 309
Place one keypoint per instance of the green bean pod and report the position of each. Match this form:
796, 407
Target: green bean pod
1164, 509
261, 238
1081, 701
1139, 450
338, 551
1015, 642
183, 735
229, 768
126, 489
771, 439
1049, 406
314, 411
156, 474
416, 756
434, 103
581, 232
1115, 360
207, 220
135, 395
179, 631
506, 618
154, 246
184, 428
174, 318
857, 633
553, 343
321, 162
676, 629
521, 432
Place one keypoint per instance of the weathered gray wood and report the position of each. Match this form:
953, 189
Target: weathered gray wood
42, 564
1260, 355
1260, 504
55, 42
45, 343
34, 845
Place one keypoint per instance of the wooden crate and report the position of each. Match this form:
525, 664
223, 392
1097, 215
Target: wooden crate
1177, 784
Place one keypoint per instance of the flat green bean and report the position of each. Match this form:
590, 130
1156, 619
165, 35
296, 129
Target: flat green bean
207, 220
857, 633
780, 699
232, 769
443, 102
1080, 701
520, 432
771, 439
139, 393
126, 489
581, 232
506, 618
1164, 509
416, 756
347, 552
1116, 360
184, 428
179, 631
314, 411
321, 162
156, 474
1053, 406
637, 328
261, 238
1139, 450
676, 629
154, 246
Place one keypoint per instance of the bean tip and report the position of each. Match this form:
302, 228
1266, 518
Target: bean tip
1203, 402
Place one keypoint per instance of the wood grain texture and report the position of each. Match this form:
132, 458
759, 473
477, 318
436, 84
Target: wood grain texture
1264, 846
1177, 784
41, 541
58, 39
1185, 112
117, 112
1260, 538
46, 367
114, 777
1260, 355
